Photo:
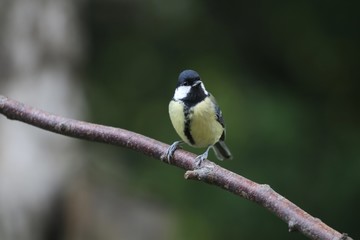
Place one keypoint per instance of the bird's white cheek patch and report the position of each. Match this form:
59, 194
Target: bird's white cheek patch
203, 88
181, 92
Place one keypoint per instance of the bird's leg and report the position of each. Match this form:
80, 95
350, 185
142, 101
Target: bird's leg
199, 159
170, 151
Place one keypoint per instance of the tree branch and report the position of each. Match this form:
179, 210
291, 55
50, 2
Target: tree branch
296, 218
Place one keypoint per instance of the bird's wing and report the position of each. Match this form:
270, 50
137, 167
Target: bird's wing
219, 116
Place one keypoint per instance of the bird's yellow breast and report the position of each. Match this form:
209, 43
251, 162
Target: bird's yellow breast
177, 117
204, 128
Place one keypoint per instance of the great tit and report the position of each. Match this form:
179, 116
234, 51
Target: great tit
197, 118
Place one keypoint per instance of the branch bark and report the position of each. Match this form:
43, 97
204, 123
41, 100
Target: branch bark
296, 218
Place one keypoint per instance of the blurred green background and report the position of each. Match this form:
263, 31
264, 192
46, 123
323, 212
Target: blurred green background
286, 75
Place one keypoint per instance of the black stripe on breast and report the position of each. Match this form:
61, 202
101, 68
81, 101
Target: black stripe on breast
187, 125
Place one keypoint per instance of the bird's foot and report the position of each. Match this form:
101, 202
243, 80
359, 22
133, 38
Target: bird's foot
170, 151
199, 159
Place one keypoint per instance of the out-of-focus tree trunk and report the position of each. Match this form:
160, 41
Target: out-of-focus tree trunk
40, 49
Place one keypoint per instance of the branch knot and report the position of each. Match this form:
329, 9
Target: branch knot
200, 173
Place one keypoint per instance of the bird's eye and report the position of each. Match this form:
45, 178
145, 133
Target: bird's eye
185, 84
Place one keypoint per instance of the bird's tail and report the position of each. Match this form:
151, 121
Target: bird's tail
222, 151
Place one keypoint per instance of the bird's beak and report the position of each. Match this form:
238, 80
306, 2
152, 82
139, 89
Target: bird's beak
197, 83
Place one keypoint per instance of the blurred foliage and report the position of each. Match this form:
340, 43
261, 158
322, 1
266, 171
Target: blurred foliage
286, 75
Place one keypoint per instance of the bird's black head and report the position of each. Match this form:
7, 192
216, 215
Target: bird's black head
188, 78
190, 88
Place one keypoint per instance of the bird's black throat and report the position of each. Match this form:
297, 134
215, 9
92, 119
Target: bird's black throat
195, 95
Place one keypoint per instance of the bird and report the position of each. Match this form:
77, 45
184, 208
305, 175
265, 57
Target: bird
197, 118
